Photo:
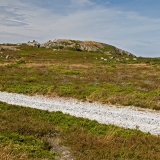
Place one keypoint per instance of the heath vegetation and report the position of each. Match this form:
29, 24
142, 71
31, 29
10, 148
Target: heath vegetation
32, 134
29, 134
92, 76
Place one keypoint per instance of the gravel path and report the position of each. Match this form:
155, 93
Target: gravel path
127, 117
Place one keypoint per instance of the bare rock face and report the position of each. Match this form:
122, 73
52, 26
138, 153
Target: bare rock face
33, 44
76, 45
122, 52
70, 44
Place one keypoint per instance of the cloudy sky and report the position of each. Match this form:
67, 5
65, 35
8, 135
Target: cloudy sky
132, 25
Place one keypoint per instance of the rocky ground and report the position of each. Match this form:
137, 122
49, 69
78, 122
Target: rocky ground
68, 44
127, 117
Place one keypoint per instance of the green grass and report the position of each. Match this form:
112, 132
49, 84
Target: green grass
34, 147
34, 133
82, 75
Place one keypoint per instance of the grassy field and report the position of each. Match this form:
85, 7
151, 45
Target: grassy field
35, 134
89, 76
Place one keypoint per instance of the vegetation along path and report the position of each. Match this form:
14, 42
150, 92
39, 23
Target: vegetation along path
127, 117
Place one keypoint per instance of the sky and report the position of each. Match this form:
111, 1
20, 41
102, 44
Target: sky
131, 25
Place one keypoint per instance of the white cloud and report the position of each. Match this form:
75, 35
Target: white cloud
127, 30
14, 38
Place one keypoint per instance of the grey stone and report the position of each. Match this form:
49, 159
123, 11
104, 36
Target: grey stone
90, 46
8, 56
8, 48
33, 44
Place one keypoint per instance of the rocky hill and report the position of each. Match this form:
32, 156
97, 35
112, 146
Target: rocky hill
76, 45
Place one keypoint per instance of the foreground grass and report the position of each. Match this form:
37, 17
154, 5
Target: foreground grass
35, 134
8, 153
120, 80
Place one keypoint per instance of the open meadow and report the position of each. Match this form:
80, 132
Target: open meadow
121, 80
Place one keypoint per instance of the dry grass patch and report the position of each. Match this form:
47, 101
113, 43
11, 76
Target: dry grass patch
8, 153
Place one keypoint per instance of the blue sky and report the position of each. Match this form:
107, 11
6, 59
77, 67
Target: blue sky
132, 25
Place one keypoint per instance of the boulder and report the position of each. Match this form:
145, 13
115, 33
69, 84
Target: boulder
8, 56
134, 59
33, 43
5, 48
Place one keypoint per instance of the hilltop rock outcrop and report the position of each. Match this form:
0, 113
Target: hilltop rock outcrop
72, 45
77, 45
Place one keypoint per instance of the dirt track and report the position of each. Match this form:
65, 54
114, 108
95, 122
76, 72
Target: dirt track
127, 117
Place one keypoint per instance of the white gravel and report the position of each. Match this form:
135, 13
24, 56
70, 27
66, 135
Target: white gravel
127, 117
